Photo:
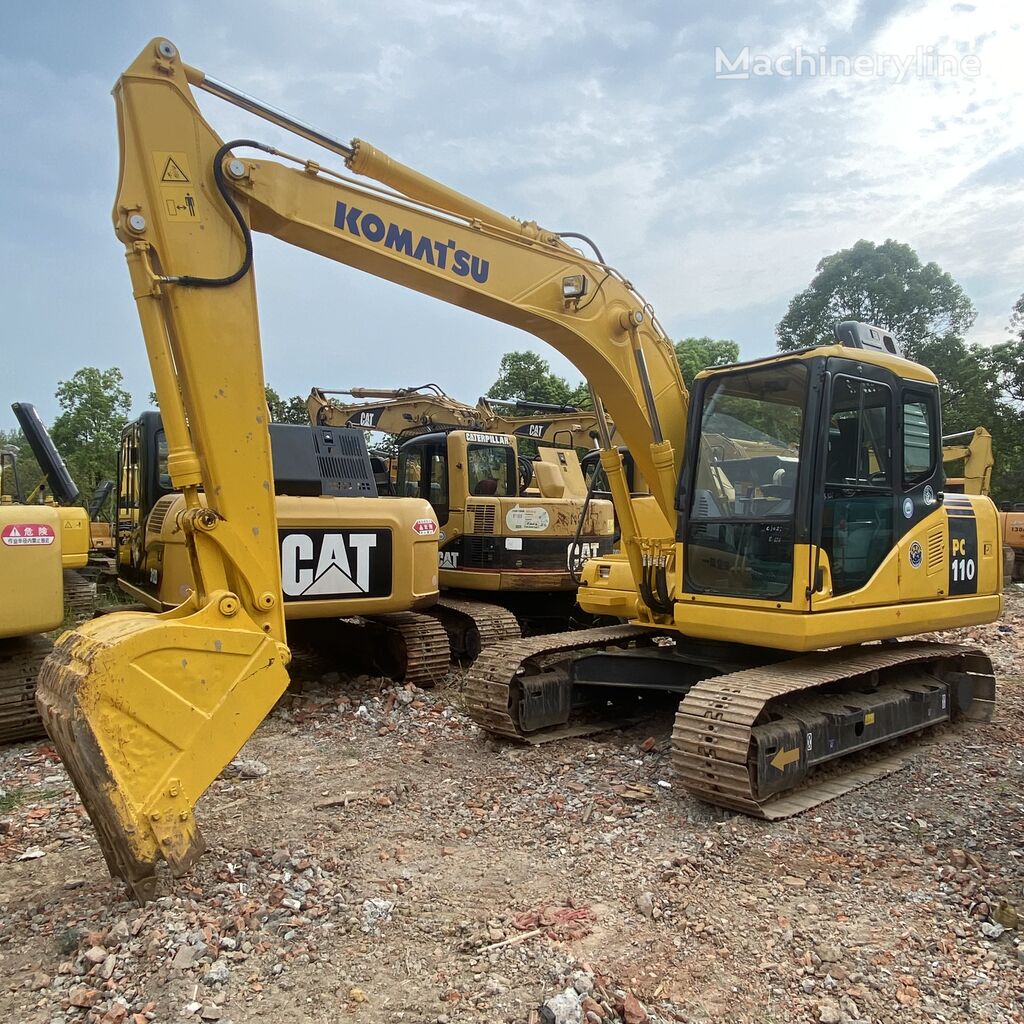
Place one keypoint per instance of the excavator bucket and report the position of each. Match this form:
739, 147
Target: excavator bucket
145, 710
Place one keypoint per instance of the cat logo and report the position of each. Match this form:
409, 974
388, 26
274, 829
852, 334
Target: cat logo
367, 419
577, 554
448, 560
323, 565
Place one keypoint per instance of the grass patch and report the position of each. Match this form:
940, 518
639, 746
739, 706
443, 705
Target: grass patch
10, 800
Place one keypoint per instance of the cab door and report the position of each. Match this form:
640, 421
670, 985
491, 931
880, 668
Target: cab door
423, 473
856, 494
929, 566
129, 512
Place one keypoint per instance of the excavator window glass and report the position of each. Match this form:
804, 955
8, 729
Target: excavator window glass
857, 527
163, 474
920, 438
492, 470
128, 469
740, 532
423, 473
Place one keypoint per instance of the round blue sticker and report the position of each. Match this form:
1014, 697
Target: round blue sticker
908, 507
916, 555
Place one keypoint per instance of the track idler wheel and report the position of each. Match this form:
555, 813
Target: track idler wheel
145, 710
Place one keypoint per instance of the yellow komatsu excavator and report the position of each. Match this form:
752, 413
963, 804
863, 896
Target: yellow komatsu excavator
759, 580
41, 546
515, 530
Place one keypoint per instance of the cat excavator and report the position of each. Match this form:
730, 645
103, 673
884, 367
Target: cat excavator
515, 530
358, 573
761, 579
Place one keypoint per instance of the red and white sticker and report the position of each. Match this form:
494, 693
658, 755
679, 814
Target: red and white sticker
424, 527
17, 535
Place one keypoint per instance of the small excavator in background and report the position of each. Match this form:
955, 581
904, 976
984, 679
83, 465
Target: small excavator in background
41, 546
359, 574
515, 530
968, 461
761, 569
968, 457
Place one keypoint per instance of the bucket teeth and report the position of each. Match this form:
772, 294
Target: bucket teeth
145, 710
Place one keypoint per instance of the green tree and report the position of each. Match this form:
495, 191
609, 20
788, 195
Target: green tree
1008, 358
29, 473
286, 410
87, 432
527, 376
694, 354
882, 284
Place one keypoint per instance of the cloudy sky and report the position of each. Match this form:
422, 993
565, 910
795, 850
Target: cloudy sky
716, 197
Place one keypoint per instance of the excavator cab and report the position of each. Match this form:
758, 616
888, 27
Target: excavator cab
815, 484
499, 531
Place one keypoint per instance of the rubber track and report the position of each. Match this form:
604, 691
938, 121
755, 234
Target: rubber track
427, 652
20, 661
492, 622
490, 681
713, 762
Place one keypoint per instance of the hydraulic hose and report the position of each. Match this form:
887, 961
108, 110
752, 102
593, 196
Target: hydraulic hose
222, 187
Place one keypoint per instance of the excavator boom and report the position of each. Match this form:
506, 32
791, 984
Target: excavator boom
407, 411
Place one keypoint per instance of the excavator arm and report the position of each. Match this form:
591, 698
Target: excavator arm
971, 451
402, 411
575, 427
426, 237
408, 411
146, 709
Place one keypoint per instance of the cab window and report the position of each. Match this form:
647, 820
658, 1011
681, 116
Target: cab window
857, 527
163, 475
920, 437
741, 528
492, 470
858, 435
423, 473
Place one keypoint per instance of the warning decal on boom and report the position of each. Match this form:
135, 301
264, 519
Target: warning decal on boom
172, 172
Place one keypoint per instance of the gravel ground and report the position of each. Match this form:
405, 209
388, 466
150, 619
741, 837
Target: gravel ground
374, 857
